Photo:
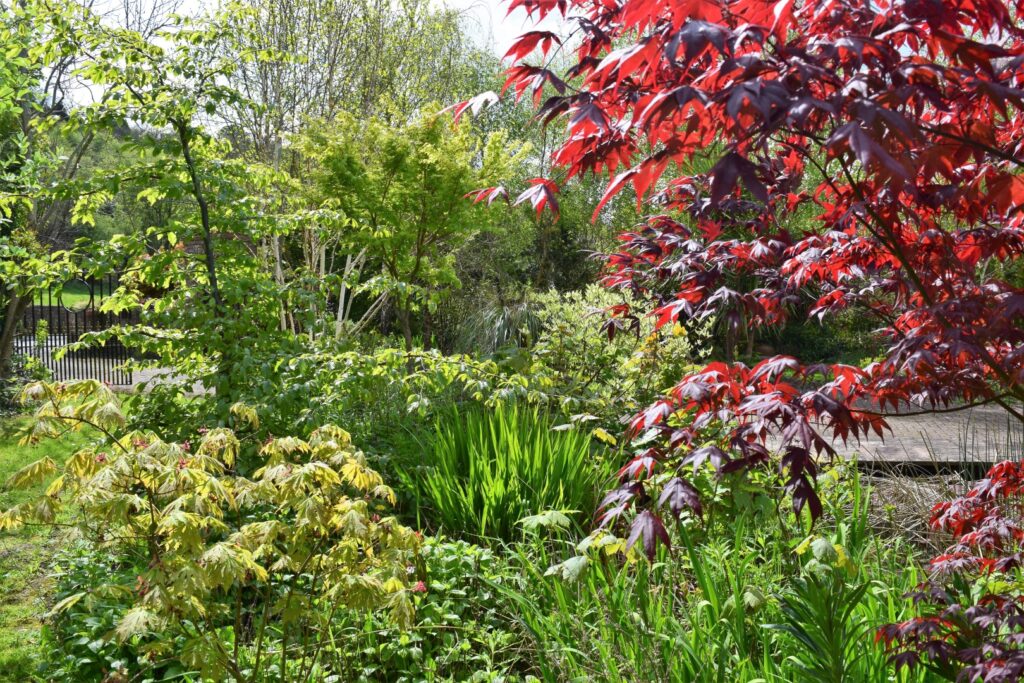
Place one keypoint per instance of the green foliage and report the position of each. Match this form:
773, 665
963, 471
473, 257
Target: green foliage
25, 269
708, 612
76, 641
386, 396
613, 376
212, 316
844, 338
221, 552
820, 613
461, 633
487, 470
399, 193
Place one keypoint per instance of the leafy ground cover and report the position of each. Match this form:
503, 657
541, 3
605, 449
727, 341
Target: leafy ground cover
25, 555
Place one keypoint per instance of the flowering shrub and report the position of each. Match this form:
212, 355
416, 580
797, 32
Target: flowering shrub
972, 622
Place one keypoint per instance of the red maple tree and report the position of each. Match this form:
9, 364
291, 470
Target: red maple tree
893, 126
960, 634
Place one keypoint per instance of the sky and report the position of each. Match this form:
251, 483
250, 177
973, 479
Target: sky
486, 19
493, 26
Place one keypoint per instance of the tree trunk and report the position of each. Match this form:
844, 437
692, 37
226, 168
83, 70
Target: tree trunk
428, 329
204, 214
730, 341
12, 318
339, 319
405, 320
275, 243
343, 305
353, 264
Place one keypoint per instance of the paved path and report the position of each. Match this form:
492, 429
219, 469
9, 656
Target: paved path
981, 434
152, 376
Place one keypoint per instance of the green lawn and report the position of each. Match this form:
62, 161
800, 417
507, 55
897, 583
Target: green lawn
75, 295
24, 556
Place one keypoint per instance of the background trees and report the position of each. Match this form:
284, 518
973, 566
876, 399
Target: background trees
40, 152
401, 193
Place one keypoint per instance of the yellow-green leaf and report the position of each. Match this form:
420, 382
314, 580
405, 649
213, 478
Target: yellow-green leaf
602, 435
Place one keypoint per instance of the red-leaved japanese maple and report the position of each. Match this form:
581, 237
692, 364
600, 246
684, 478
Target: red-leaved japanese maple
893, 127
960, 634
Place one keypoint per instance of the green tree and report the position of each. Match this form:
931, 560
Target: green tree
399, 192
216, 313
37, 179
319, 58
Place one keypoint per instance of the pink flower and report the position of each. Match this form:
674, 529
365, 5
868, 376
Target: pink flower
420, 587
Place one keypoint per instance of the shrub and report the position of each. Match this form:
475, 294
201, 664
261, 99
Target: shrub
381, 398
461, 632
611, 373
228, 569
489, 469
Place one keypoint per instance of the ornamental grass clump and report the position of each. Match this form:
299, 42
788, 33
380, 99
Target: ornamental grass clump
489, 469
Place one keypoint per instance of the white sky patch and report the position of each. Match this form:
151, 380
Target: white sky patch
487, 21
493, 26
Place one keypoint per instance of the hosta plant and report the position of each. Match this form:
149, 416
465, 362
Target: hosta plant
238, 574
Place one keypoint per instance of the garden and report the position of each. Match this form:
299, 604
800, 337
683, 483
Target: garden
552, 354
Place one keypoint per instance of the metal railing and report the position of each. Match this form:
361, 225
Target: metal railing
55, 320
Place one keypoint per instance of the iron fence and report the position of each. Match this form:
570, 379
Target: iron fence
55, 320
